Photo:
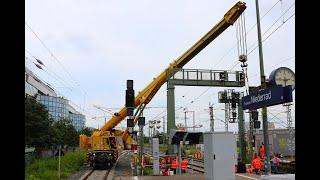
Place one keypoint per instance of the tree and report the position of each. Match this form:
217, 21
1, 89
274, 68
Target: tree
38, 132
65, 133
86, 131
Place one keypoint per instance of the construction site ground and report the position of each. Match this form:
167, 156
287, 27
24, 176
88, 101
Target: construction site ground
123, 171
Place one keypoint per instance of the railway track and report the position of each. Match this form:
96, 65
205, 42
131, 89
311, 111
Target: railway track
97, 174
196, 165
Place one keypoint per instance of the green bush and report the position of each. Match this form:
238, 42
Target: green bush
48, 168
147, 171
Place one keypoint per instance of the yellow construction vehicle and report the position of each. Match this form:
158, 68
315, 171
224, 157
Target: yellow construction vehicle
98, 142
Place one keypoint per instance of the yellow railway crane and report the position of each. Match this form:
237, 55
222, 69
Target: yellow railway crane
99, 141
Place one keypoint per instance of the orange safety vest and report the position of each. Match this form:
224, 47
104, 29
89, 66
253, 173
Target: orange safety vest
163, 164
256, 163
174, 164
184, 164
262, 152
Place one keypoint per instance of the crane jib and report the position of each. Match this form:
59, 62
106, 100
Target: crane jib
148, 92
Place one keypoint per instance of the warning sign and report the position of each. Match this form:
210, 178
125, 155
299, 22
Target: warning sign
198, 155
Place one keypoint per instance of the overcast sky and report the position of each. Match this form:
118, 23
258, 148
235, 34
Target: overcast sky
100, 44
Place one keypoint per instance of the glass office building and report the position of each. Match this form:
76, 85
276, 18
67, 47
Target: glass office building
29, 89
77, 120
58, 107
55, 105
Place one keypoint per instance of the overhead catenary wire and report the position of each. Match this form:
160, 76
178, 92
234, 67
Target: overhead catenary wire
241, 39
51, 85
272, 32
251, 28
287, 59
264, 40
53, 74
50, 52
277, 20
54, 57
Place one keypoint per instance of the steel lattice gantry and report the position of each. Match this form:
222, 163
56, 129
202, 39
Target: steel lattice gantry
197, 77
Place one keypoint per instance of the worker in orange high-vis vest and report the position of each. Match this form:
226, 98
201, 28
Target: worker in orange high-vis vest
174, 165
256, 164
163, 164
184, 165
262, 152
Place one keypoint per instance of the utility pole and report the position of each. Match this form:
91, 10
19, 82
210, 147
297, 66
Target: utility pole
185, 119
211, 118
140, 153
226, 111
243, 149
193, 122
164, 129
250, 135
290, 128
263, 85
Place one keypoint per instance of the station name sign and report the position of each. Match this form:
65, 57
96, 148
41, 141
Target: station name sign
267, 97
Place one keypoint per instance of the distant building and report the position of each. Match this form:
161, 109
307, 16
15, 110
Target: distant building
58, 107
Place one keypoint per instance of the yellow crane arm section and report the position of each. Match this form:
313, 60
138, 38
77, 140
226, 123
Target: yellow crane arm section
145, 96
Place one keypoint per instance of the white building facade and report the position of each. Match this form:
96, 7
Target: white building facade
58, 107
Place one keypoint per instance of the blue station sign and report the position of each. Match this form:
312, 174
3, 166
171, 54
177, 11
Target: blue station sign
267, 97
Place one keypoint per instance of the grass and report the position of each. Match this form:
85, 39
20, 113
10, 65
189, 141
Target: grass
163, 147
48, 168
147, 171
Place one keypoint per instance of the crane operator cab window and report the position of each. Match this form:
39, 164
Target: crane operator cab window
113, 143
106, 142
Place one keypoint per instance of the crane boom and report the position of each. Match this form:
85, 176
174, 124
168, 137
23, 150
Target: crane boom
145, 96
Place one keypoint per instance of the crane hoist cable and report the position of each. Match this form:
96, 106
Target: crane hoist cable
241, 35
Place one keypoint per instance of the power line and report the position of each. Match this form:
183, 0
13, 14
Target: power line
275, 23
52, 73
235, 46
50, 84
55, 76
272, 32
46, 47
263, 40
287, 59
228, 52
